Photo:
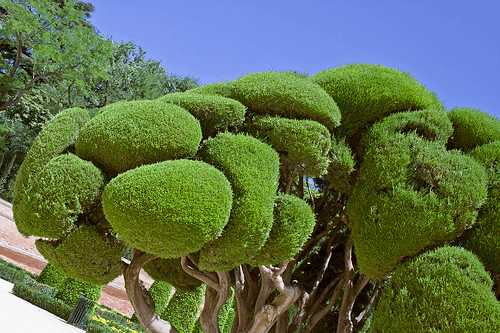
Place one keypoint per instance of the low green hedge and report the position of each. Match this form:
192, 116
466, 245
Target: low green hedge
42, 300
105, 320
8, 271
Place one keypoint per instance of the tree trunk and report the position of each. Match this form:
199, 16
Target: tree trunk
139, 297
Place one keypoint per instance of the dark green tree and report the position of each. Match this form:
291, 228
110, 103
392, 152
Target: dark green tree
295, 200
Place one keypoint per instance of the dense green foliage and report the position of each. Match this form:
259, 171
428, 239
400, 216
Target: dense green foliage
252, 169
73, 289
170, 271
446, 290
472, 128
482, 239
215, 113
185, 202
52, 277
365, 93
160, 292
56, 137
183, 309
166, 132
288, 95
79, 250
303, 145
293, 224
57, 195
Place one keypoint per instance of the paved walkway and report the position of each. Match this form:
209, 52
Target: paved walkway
20, 316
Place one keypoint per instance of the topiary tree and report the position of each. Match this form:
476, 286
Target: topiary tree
292, 201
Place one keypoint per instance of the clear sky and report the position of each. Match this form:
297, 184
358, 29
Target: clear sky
451, 47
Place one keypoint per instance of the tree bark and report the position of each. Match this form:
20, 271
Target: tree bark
141, 301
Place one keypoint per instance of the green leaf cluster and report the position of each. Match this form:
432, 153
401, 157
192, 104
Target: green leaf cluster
445, 290
170, 271
183, 309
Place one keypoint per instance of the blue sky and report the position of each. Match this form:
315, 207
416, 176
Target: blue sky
452, 47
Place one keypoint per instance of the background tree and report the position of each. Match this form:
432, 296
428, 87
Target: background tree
310, 197
45, 38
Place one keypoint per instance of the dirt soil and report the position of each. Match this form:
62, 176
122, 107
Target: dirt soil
22, 251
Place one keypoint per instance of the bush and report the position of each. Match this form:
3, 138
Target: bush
445, 290
57, 195
303, 145
252, 167
192, 198
138, 133
78, 251
472, 128
414, 193
215, 113
38, 298
9, 271
52, 277
286, 95
57, 137
171, 272
365, 93
183, 309
72, 289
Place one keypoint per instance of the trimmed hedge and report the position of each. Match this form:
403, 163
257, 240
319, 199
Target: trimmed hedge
215, 113
252, 167
224, 89
294, 222
57, 137
472, 128
171, 272
170, 208
445, 290
9, 271
86, 254
183, 308
483, 238
57, 195
410, 194
73, 289
302, 144
51, 276
287, 95
40, 299
365, 93
126, 135
160, 292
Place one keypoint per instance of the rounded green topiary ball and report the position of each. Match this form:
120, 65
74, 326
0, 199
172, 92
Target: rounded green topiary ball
294, 222
472, 128
170, 208
445, 290
86, 254
287, 95
170, 271
215, 113
57, 195
365, 93
126, 135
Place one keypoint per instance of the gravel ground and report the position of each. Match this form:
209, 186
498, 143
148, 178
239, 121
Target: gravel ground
20, 316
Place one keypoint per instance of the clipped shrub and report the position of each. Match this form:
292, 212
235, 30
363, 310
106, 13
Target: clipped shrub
483, 238
215, 113
445, 290
57, 195
224, 89
73, 289
342, 164
287, 95
414, 193
294, 222
46, 302
77, 257
9, 270
52, 277
160, 292
138, 133
302, 144
252, 168
170, 208
57, 136
183, 309
365, 93
472, 128
170, 271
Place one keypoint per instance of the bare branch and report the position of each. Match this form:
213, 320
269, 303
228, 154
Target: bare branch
197, 274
